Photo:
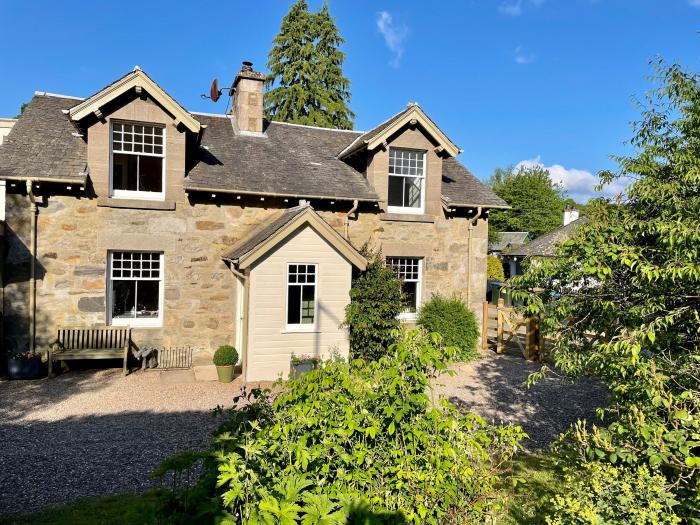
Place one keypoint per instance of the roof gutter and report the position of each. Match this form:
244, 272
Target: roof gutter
270, 194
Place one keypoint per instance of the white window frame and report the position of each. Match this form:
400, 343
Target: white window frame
154, 322
407, 209
310, 327
131, 194
406, 315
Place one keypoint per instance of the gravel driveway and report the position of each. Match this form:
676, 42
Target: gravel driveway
493, 387
88, 433
94, 432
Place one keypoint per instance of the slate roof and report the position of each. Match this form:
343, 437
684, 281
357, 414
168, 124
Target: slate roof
290, 160
261, 234
509, 240
367, 136
296, 161
546, 245
41, 144
461, 188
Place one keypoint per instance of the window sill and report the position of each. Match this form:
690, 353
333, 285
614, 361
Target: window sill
407, 217
300, 330
137, 326
137, 204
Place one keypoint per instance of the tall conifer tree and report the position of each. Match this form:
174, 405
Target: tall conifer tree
306, 83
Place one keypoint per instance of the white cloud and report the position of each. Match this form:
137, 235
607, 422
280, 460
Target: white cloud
394, 36
523, 58
579, 184
511, 8
515, 7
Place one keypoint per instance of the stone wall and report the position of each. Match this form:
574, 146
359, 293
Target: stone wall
75, 234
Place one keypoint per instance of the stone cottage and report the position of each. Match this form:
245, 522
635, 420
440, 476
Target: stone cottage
198, 229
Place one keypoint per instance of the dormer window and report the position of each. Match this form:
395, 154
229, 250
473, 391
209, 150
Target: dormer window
406, 181
138, 161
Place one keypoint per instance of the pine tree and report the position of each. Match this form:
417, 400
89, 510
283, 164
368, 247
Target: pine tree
306, 83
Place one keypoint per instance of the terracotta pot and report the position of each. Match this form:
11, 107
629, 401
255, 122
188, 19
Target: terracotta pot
24, 368
225, 373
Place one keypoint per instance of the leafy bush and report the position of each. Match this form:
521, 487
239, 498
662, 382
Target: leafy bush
620, 300
454, 321
375, 303
494, 269
225, 355
603, 493
357, 442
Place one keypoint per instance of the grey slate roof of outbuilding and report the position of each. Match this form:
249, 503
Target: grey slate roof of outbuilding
41, 144
508, 240
264, 232
546, 245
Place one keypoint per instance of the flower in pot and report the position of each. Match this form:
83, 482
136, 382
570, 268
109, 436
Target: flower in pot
23, 365
225, 358
304, 363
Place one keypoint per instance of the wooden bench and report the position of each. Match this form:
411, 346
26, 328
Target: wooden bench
104, 342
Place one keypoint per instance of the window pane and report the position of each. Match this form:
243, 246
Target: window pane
123, 299
124, 172
412, 192
410, 295
396, 191
150, 174
307, 304
293, 304
147, 299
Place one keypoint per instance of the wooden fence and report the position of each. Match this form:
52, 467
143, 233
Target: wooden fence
503, 328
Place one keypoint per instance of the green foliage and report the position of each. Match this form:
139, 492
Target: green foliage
375, 303
360, 442
494, 269
225, 355
603, 493
125, 509
537, 203
306, 83
622, 299
454, 322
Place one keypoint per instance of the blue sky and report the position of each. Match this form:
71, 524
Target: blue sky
510, 81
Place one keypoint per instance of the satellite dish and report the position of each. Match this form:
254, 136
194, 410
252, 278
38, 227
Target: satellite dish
214, 92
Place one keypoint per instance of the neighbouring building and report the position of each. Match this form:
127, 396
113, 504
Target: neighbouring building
198, 229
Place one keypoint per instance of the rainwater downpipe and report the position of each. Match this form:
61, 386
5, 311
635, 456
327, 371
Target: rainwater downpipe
32, 267
355, 203
472, 223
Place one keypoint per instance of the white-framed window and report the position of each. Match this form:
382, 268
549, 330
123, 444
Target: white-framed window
406, 181
135, 288
301, 296
137, 161
410, 271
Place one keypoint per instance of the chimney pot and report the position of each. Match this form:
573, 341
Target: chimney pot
247, 66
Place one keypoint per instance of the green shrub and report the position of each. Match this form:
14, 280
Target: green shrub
357, 442
603, 493
494, 269
375, 303
225, 355
454, 321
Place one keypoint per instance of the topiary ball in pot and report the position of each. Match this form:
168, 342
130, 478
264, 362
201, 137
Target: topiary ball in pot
225, 359
454, 321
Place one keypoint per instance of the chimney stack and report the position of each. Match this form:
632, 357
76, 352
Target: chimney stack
248, 99
570, 215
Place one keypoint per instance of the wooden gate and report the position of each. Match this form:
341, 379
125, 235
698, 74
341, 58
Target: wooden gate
503, 328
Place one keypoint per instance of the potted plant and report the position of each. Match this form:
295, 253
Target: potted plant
225, 358
304, 363
23, 365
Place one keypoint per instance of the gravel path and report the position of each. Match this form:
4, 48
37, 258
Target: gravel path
89, 433
493, 387
94, 432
